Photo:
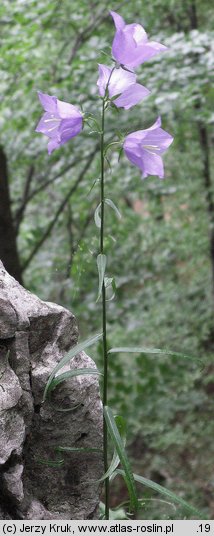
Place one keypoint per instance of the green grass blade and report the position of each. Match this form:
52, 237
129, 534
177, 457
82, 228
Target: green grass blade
71, 374
164, 491
74, 351
118, 444
145, 350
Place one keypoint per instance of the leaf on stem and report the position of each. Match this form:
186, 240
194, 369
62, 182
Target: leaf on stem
163, 491
121, 425
72, 374
97, 218
119, 447
112, 205
50, 463
101, 265
79, 449
109, 282
74, 351
145, 350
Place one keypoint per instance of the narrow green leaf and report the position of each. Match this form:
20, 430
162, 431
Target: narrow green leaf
145, 350
142, 502
108, 161
66, 410
163, 491
101, 265
97, 218
80, 449
112, 238
74, 351
121, 425
93, 184
71, 374
118, 444
49, 463
112, 205
120, 154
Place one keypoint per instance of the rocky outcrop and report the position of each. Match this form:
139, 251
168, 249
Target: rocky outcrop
36, 482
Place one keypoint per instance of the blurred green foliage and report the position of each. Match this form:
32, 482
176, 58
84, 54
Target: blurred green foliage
159, 251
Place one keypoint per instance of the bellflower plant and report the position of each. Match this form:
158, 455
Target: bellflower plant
144, 148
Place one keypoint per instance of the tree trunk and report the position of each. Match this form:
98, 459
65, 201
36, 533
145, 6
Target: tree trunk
208, 189
204, 143
8, 246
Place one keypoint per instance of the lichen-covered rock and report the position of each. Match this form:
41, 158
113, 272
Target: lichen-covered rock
36, 482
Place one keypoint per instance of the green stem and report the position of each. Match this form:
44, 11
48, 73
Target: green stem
105, 354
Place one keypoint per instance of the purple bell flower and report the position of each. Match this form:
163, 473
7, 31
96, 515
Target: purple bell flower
144, 149
121, 85
131, 46
60, 122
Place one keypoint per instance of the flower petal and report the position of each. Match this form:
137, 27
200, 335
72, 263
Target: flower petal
118, 20
131, 96
159, 140
139, 135
69, 128
118, 82
155, 125
158, 47
135, 138
152, 164
48, 102
104, 74
48, 125
137, 32
53, 144
134, 157
66, 110
146, 52
124, 48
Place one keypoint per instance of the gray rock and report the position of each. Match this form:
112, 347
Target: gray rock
36, 481
8, 320
13, 484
